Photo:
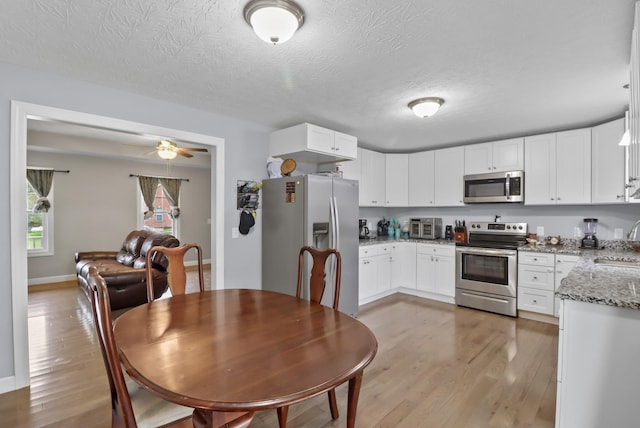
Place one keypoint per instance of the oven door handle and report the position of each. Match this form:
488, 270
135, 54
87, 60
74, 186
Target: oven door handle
486, 251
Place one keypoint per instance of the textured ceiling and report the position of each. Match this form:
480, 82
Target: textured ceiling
504, 67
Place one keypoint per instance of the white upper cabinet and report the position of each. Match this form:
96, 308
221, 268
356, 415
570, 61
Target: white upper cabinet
449, 174
421, 179
498, 156
311, 143
607, 163
508, 155
397, 180
345, 146
573, 167
372, 178
558, 168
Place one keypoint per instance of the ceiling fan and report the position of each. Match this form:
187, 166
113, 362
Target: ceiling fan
168, 150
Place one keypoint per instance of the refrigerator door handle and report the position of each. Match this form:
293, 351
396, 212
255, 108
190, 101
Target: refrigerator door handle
336, 224
332, 223
334, 236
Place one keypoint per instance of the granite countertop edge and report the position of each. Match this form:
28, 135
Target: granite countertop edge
387, 240
601, 284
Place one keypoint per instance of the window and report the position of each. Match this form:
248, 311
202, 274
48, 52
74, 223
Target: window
39, 232
161, 221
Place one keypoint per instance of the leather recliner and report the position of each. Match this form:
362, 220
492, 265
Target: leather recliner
125, 271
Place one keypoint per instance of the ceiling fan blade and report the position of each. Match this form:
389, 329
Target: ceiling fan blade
151, 152
194, 149
183, 153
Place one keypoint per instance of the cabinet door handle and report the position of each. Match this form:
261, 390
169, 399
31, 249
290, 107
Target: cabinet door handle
559, 198
552, 199
535, 278
535, 301
619, 196
489, 168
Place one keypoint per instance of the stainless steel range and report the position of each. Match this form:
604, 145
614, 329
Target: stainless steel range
487, 267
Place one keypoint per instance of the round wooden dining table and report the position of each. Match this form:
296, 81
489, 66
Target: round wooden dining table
243, 350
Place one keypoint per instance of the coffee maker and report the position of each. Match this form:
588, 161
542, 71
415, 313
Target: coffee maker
364, 229
448, 232
590, 227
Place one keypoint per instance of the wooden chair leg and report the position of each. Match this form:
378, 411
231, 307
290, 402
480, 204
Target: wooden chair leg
282, 416
333, 405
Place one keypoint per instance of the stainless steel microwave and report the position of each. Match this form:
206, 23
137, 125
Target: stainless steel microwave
494, 187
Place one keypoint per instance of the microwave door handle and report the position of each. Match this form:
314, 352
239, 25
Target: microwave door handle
507, 186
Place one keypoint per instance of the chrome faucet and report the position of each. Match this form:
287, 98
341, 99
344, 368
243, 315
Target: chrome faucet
631, 236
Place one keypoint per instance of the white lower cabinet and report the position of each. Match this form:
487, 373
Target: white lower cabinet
435, 269
564, 264
598, 375
403, 265
367, 272
397, 266
383, 282
539, 275
374, 272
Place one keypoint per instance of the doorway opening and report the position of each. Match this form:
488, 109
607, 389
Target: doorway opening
20, 114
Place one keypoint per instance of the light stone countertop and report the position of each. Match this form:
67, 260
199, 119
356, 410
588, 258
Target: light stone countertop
601, 284
597, 283
386, 239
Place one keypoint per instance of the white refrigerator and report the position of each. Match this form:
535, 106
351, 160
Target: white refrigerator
316, 210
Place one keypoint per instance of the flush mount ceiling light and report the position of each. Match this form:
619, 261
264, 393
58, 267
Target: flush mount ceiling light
425, 107
274, 21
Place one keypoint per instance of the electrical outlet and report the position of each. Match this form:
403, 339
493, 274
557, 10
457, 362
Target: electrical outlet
235, 233
577, 233
540, 230
617, 233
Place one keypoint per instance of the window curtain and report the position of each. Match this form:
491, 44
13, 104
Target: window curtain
171, 187
41, 180
148, 186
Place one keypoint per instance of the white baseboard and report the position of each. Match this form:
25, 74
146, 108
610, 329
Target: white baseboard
7, 384
51, 279
72, 277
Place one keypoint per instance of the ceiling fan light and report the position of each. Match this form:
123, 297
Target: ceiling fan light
167, 154
425, 107
274, 21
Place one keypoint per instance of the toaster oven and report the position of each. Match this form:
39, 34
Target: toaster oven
425, 228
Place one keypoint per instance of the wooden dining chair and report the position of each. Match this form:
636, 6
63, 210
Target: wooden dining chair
177, 275
317, 285
132, 405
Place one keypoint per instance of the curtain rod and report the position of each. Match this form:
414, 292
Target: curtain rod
66, 171
155, 176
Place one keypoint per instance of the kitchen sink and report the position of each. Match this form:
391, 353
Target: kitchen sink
618, 263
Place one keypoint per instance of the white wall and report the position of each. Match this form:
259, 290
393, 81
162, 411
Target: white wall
245, 156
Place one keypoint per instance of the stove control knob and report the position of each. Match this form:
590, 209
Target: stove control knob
473, 226
520, 227
508, 227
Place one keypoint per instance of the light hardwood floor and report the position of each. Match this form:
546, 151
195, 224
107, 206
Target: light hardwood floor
437, 365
